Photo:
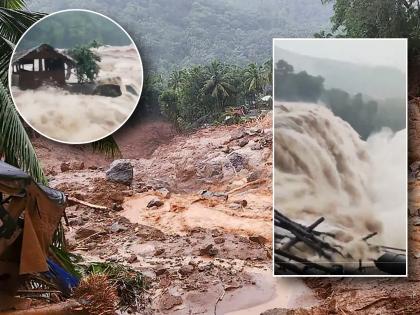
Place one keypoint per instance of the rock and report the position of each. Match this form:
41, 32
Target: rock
186, 270
242, 203
132, 258
237, 134
131, 89
65, 167
214, 195
159, 251
120, 171
84, 233
77, 165
92, 167
78, 221
258, 239
165, 193
155, 203
168, 301
160, 271
110, 90
116, 227
416, 221
237, 160
117, 196
254, 176
208, 250
256, 146
243, 142
219, 240
226, 149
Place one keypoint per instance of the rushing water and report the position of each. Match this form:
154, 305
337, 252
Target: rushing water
72, 117
323, 168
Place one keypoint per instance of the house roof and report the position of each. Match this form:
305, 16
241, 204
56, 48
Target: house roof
42, 50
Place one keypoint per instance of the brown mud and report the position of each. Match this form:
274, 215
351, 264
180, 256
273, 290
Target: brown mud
207, 248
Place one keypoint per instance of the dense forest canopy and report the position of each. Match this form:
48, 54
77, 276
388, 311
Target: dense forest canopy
364, 114
174, 34
72, 28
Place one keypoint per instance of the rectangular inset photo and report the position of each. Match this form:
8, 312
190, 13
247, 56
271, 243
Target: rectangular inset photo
340, 157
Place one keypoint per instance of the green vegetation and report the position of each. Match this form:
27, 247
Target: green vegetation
362, 113
183, 33
200, 94
74, 28
87, 67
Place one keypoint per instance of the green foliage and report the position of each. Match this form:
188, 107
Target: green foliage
74, 28
291, 86
377, 18
107, 146
15, 146
87, 67
200, 94
182, 33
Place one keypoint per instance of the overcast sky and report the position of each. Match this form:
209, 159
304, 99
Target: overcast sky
376, 52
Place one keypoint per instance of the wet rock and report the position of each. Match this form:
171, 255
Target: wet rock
65, 167
132, 258
117, 196
159, 251
237, 134
165, 193
214, 195
254, 176
209, 250
131, 89
77, 222
84, 233
116, 227
256, 146
161, 271
155, 203
110, 90
238, 161
77, 165
243, 142
120, 171
168, 301
242, 203
226, 149
186, 270
258, 239
219, 240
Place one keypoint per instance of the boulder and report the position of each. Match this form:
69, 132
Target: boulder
120, 171
155, 203
65, 167
109, 90
237, 160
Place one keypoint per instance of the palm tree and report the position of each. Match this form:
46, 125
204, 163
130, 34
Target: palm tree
254, 79
175, 79
15, 146
218, 85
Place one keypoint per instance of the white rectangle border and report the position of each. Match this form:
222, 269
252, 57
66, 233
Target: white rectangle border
274, 40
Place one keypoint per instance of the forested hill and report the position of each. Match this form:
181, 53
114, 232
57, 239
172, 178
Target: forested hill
173, 34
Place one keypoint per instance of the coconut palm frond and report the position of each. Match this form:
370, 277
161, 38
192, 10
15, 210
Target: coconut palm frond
107, 146
12, 4
13, 23
15, 145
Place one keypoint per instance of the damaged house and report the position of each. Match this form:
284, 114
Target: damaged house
41, 65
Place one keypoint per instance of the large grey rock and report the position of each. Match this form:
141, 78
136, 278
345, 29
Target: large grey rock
120, 171
110, 90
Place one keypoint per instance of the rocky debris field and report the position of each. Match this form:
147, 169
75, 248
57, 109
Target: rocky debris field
195, 218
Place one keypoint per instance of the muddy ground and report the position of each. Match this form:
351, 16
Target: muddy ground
204, 253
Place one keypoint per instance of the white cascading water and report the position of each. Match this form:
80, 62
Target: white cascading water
323, 168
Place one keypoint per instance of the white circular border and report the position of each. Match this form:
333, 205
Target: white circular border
112, 21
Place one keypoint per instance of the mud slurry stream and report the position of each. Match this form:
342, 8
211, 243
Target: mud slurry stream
205, 247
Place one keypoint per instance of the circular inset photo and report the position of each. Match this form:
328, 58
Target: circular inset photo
76, 76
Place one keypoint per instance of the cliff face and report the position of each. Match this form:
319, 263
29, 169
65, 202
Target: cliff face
413, 130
